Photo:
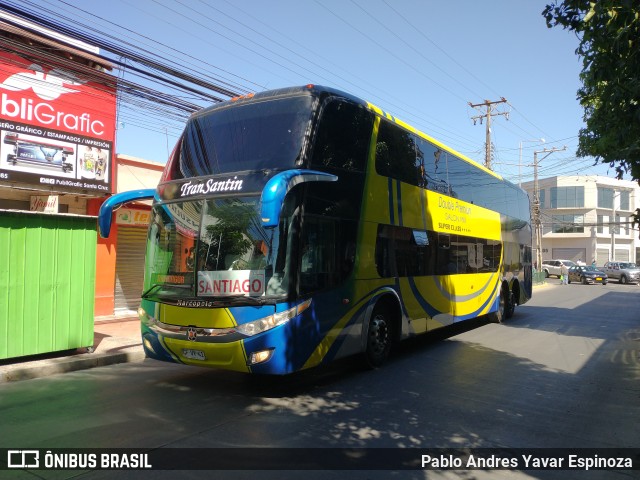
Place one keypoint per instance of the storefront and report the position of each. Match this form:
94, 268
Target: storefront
120, 258
57, 159
57, 132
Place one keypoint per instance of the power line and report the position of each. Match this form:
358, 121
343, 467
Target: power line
489, 113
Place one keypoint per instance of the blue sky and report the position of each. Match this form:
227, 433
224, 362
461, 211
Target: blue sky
422, 61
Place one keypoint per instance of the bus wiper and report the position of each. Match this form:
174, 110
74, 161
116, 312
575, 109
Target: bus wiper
243, 300
150, 289
156, 286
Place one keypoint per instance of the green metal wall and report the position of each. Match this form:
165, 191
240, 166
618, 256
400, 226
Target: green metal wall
47, 283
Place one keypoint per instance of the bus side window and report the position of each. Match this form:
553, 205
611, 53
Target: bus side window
396, 154
342, 141
324, 254
432, 165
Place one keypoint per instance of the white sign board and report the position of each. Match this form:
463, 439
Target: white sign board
249, 283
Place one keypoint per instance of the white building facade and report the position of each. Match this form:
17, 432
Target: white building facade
586, 218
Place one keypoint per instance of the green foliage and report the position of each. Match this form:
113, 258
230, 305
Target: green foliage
609, 32
227, 236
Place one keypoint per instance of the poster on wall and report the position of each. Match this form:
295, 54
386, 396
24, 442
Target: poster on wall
56, 129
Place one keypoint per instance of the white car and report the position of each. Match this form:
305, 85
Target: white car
554, 267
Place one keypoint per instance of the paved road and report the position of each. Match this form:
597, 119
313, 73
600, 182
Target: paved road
564, 372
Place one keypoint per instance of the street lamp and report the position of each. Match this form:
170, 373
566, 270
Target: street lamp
536, 140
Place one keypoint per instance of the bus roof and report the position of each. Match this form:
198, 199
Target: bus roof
319, 90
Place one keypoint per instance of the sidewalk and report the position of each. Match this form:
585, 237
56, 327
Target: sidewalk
115, 341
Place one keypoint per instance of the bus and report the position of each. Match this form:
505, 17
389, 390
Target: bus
296, 226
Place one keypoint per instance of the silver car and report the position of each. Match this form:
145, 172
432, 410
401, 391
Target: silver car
624, 272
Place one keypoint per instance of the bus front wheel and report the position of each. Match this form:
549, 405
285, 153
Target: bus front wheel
379, 338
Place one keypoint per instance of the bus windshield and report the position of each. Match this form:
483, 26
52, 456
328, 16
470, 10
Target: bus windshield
217, 249
268, 134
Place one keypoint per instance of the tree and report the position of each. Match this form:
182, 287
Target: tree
609, 33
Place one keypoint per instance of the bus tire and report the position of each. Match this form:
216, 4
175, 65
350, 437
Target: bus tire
379, 338
500, 315
510, 305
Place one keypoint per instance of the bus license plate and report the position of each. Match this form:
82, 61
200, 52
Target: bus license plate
193, 354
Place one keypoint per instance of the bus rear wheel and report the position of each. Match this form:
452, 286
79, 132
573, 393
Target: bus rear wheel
510, 303
379, 338
506, 306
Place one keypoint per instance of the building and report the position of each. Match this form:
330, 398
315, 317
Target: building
587, 217
57, 166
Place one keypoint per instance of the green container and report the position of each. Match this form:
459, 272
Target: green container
47, 280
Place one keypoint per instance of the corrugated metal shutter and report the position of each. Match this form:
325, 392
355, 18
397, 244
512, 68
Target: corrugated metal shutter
574, 254
130, 251
622, 255
47, 280
602, 256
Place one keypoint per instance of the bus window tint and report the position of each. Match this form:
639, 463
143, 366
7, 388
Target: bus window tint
319, 267
404, 252
342, 140
262, 135
432, 166
332, 210
396, 154
460, 178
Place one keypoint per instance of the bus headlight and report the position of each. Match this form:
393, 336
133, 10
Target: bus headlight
267, 323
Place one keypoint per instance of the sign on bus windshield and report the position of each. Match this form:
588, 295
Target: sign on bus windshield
231, 282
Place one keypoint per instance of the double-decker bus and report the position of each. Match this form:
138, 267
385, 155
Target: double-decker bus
296, 226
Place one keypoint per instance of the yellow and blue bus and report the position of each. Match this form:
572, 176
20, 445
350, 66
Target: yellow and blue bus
296, 226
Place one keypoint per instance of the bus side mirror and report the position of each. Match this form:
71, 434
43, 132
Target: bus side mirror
278, 186
114, 202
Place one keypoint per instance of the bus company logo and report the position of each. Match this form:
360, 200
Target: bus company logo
23, 459
192, 334
49, 86
230, 185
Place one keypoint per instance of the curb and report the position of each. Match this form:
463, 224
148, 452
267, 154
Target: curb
64, 365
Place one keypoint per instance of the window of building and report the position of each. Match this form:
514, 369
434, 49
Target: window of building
614, 224
541, 195
625, 224
599, 224
567, 197
568, 224
605, 197
624, 200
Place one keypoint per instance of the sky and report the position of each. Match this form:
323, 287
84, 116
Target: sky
422, 61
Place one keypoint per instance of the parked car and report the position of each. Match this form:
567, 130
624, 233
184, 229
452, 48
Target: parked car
625, 272
587, 275
554, 267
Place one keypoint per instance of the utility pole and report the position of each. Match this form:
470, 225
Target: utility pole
490, 112
536, 201
614, 225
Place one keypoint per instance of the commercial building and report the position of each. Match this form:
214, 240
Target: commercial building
587, 217
57, 166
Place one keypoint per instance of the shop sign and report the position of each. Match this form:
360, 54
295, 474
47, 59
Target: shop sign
133, 217
56, 128
46, 204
